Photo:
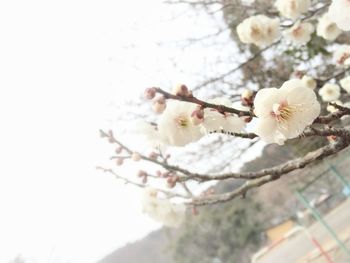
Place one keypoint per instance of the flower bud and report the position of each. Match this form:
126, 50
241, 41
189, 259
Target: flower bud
158, 173
118, 150
165, 174
153, 155
194, 211
150, 93
144, 179
331, 108
120, 161
197, 116
331, 138
298, 74
247, 119
141, 173
136, 156
159, 105
309, 82
182, 90
247, 97
171, 181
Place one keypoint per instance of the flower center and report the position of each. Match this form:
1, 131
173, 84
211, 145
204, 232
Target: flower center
182, 122
282, 111
330, 92
255, 31
298, 31
331, 27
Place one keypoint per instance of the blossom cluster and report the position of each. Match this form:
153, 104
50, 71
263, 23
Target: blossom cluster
274, 114
262, 30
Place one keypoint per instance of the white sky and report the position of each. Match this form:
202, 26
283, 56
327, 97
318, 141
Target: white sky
62, 63
56, 80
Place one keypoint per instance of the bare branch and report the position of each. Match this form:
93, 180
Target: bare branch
274, 174
220, 108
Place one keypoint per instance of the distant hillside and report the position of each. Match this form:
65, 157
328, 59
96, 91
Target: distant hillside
228, 232
151, 249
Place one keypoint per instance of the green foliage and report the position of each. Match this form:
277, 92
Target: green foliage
316, 46
229, 232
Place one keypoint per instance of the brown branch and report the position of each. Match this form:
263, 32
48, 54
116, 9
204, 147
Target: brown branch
274, 175
220, 108
169, 194
237, 134
276, 170
342, 111
321, 82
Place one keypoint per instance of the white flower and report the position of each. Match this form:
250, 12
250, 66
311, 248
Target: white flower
300, 33
329, 92
259, 30
347, 104
215, 121
345, 83
292, 8
146, 133
309, 82
327, 29
342, 55
331, 108
285, 112
339, 12
175, 125
162, 210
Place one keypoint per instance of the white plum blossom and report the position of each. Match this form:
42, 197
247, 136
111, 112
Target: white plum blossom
259, 30
284, 113
175, 124
345, 84
329, 92
339, 12
162, 210
300, 33
215, 121
147, 133
331, 108
309, 82
327, 29
342, 55
292, 8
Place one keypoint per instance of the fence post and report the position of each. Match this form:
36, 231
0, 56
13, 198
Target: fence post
320, 219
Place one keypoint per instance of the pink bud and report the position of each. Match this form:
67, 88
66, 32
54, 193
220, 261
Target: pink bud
165, 174
247, 98
297, 74
141, 173
153, 155
159, 105
158, 173
182, 90
197, 116
136, 156
144, 179
150, 93
120, 161
247, 119
332, 138
119, 150
171, 182
247, 94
